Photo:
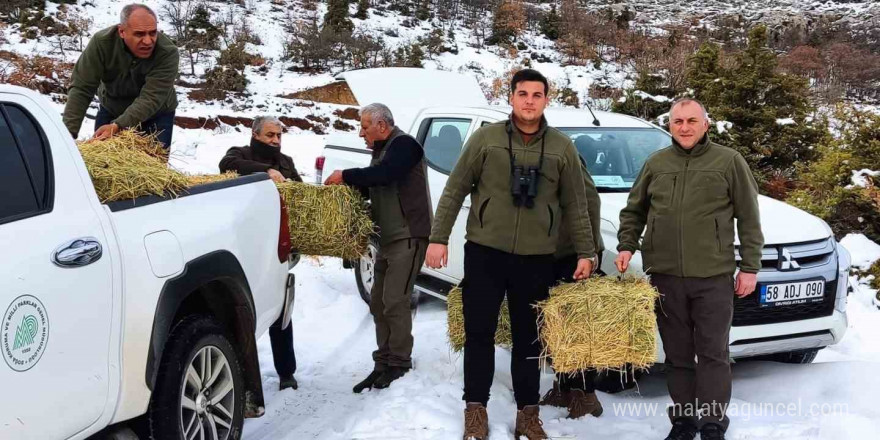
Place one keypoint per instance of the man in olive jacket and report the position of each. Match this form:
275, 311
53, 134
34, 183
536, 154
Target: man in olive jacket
524, 179
400, 205
688, 195
132, 68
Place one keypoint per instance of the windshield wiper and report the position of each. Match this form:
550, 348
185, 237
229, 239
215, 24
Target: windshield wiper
612, 189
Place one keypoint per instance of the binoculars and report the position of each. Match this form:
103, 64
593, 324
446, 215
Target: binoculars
524, 185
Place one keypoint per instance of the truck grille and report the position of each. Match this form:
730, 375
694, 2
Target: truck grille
804, 255
748, 310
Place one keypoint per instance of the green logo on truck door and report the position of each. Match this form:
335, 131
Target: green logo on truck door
24, 332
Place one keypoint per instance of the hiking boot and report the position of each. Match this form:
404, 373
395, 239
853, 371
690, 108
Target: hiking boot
682, 429
582, 403
712, 431
389, 375
556, 397
528, 424
287, 382
368, 382
476, 422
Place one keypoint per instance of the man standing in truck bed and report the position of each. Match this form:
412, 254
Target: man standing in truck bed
132, 67
688, 195
524, 179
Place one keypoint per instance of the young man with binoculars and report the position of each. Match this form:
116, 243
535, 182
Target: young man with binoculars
524, 179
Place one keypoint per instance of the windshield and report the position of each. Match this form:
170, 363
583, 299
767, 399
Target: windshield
615, 156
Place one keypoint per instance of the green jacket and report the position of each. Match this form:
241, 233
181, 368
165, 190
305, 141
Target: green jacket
594, 204
484, 172
688, 201
131, 89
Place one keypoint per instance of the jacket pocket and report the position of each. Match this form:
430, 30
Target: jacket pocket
648, 241
550, 229
717, 235
483, 210
402, 211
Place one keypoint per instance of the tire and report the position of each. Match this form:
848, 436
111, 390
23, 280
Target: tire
613, 382
364, 275
183, 400
795, 357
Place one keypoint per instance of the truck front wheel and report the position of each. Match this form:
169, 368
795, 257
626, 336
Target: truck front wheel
199, 391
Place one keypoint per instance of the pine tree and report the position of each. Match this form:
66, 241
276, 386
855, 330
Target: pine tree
753, 97
361, 13
416, 56
424, 10
198, 35
639, 105
825, 187
337, 17
550, 23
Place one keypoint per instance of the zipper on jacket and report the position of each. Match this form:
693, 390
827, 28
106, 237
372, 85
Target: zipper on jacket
516, 224
681, 218
516, 230
717, 235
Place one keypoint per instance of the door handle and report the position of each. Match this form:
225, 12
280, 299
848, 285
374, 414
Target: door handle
77, 253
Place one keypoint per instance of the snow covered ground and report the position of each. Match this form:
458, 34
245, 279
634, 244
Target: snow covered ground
333, 331
833, 398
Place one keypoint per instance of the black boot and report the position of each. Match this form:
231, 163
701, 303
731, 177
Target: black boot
711, 431
287, 382
556, 396
368, 382
390, 375
682, 429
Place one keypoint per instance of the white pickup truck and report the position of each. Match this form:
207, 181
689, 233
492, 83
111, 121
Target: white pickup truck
143, 311
442, 109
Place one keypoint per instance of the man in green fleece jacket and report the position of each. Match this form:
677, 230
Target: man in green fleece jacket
688, 195
525, 180
132, 67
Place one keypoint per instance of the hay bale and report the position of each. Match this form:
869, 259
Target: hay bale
201, 179
129, 166
602, 323
455, 322
327, 220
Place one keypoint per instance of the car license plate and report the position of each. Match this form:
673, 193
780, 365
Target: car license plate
786, 294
